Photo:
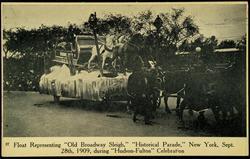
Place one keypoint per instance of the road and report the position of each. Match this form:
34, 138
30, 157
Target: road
30, 114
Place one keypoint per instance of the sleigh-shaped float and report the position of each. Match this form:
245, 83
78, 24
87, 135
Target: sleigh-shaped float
69, 77
83, 85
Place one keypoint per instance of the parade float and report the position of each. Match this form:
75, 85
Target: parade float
83, 85
70, 78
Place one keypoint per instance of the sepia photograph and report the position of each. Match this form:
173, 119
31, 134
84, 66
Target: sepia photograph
124, 69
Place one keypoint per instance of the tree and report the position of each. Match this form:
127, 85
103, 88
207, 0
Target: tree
227, 44
119, 22
185, 46
32, 50
116, 22
209, 45
143, 23
176, 28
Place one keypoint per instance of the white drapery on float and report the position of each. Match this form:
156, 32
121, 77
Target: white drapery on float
83, 85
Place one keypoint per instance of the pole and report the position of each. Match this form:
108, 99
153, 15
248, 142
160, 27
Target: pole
158, 24
98, 53
96, 43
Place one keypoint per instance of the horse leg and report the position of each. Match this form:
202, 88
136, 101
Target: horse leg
123, 67
129, 105
124, 62
147, 117
134, 116
181, 109
178, 102
103, 60
114, 63
135, 112
90, 60
214, 104
154, 101
115, 56
166, 96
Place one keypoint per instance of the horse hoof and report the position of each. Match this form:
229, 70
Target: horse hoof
134, 120
148, 123
168, 111
181, 123
129, 112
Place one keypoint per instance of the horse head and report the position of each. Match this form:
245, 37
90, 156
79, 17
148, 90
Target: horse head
61, 45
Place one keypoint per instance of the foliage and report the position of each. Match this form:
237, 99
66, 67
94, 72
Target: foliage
175, 28
207, 45
227, 44
32, 49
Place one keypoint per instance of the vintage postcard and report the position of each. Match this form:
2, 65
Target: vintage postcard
124, 79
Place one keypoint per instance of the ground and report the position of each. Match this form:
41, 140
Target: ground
30, 114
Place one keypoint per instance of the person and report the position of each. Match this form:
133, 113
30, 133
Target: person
138, 91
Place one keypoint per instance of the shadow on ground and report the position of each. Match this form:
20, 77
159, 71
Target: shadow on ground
93, 105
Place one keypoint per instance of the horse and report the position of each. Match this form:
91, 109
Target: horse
128, 50
199, 93
229, 90
190, 84
105, 49
218, 90
112, 48
152, 87
154, 82
202, 89
124, 48
63, 46
172, 82
104, 55
138, 91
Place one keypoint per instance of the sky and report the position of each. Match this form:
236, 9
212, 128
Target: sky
225, 21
